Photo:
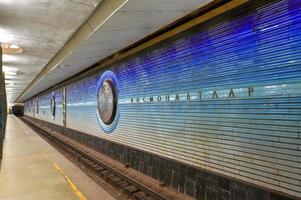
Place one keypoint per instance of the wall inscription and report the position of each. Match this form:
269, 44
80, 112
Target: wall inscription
200, 95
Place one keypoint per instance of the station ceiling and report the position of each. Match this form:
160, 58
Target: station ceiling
63, 37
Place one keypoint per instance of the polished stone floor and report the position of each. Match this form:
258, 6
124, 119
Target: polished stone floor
33, 170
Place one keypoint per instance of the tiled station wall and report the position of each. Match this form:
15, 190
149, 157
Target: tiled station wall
39, 107
227, 98
44, 112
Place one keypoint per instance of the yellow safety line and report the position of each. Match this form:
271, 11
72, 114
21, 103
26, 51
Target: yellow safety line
79, 194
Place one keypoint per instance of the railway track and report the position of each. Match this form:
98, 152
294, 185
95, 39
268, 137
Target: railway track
132, 184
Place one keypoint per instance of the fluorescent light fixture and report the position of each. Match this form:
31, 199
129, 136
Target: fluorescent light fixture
6, 1
4, 35
10, 77
11, 49
11, 73
13, 46
8, 69
8, 58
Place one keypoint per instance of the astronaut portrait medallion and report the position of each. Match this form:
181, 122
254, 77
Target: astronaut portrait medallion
52, 105
107, 101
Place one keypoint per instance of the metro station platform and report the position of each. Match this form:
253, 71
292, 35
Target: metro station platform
31, 169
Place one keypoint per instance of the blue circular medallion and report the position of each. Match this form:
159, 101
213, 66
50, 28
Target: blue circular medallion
107, 101
52, 105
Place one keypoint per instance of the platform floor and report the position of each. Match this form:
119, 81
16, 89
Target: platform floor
33, 170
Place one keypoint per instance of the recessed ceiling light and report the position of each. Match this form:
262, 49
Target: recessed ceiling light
11, 49
13, 46
5, 36
10, 77
8, 58
11, 73
8, 69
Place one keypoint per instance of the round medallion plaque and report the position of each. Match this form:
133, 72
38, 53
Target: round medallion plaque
107, 102
52, 105
107, 110
37, 108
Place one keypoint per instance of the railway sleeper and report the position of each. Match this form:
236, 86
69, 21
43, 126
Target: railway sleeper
130, 190
142, 196
104, 174
113, 180
122, 184
99, 169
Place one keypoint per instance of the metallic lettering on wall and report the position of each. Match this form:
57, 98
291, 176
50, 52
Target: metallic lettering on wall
190, 96
233, 92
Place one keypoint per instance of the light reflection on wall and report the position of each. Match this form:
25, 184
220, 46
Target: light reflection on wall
258, 133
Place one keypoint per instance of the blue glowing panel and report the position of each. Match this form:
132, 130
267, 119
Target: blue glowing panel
29, 108
81, 101
44, 112
225, 98
242, 117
